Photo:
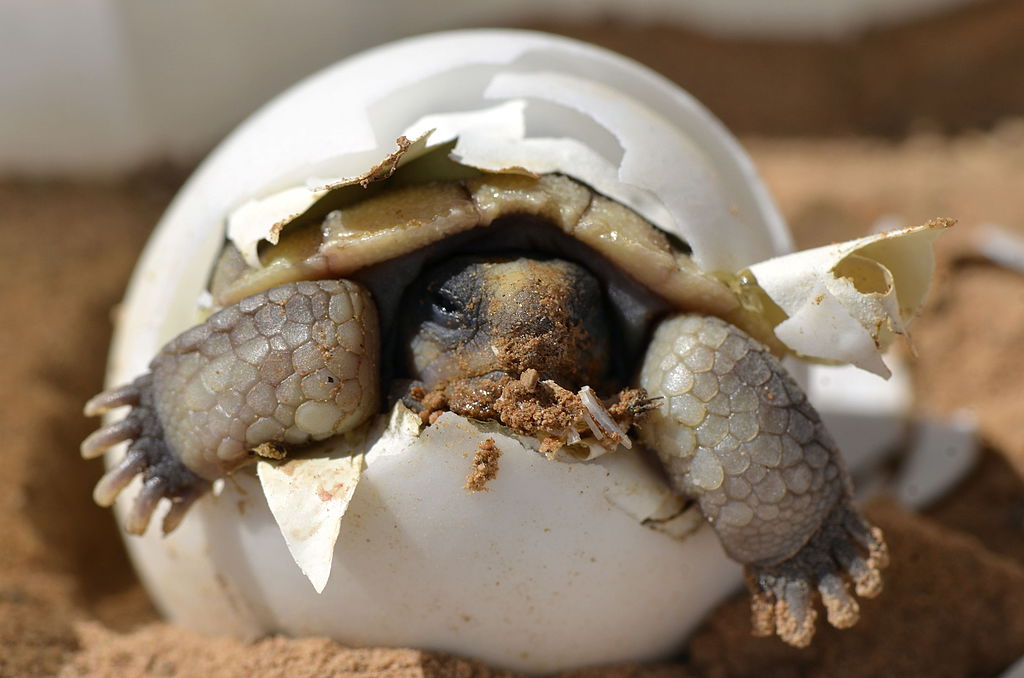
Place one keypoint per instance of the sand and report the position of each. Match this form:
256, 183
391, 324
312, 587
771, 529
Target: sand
70, 604
954, 599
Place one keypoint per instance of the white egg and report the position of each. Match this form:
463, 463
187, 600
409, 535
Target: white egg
551, 567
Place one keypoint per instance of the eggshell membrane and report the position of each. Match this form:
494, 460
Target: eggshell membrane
540, 572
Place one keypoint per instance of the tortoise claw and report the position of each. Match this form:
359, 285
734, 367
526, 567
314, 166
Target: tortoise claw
116, 479
127, 394
845, 550
164, 475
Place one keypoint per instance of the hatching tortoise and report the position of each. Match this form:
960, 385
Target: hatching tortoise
530, 300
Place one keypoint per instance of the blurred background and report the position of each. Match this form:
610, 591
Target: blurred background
94, 86
860, 114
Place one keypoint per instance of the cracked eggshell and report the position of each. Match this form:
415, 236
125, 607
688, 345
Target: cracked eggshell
548, 569
844, 302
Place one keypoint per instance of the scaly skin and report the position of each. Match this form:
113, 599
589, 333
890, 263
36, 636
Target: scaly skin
738, 435
285, 367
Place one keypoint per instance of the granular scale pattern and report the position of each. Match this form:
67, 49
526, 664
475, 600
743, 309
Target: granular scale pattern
736, 433
281, 368
288, 366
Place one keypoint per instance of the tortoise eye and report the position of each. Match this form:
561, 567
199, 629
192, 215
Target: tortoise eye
445, 302
447, 309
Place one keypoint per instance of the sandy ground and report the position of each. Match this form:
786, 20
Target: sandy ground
70, 604
954, 602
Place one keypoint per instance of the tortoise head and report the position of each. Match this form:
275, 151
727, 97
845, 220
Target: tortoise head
474, 317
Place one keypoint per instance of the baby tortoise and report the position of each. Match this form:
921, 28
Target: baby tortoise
532, 301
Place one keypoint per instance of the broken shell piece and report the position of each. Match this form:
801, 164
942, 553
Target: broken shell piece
1015, 671
1001, 246
308, 497
942, 452
844, 302
264, 218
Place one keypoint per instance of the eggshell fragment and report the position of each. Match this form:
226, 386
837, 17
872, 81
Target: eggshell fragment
308, 498
869, 416
942, 452
264, 218
844, 302
1001, 246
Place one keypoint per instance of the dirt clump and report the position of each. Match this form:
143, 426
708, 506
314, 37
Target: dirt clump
485, 466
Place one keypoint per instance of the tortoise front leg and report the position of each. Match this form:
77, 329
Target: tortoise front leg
738, 435
281, 368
